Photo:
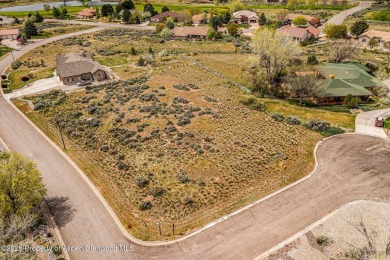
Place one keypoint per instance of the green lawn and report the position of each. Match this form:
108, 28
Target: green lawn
379, 16
387, 123
4, 50
16, 76
72, 10
112, 61
339, 119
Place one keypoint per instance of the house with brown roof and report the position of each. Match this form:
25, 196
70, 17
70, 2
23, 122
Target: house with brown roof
298, 33
159, 18
190, 32
9, 34
75, 67
197, 19
245, 17
87, 13
382, 37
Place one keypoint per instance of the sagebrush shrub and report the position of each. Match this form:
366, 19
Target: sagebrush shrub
317, 124
277, 116
293, 120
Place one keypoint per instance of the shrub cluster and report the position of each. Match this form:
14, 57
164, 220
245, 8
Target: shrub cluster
317, 125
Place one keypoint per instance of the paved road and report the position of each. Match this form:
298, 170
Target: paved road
365, 122
340, 17
350, 167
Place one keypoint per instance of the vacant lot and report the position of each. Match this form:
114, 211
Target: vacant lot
177, 146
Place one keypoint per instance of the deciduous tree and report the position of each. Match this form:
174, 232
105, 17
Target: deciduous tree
341, 50
275, 51
232, 29
47, 8
303, 86
21, 186
299, 21
235, 6
373, 43
334, 31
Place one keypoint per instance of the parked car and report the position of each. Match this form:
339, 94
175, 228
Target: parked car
83, 83
379, 121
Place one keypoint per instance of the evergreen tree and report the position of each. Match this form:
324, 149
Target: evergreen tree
30, 29
262, 19
56, 12
128, 5
149, 8
165, 9
38, 17
126, 16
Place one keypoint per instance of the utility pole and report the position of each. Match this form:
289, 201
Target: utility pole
159, 227
173, 228
60, 129
13, 57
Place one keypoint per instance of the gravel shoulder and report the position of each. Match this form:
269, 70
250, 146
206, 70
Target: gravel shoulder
342, 234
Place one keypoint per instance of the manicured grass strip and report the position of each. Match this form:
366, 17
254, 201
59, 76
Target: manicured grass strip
387, 123
379, 16
4, 50
16, 76
112, 61
339, 119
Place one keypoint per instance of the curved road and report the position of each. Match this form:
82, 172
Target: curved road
350, 167
340, 17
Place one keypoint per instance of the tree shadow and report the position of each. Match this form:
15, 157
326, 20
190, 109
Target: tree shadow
61, 210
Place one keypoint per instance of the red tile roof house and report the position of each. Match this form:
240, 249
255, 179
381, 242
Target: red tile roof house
299, 34
159, 18
87, 13
190, 32
9, 34
74, 67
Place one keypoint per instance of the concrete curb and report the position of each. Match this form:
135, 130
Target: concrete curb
52, 223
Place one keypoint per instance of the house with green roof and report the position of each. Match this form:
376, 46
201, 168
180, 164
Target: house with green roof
342, 79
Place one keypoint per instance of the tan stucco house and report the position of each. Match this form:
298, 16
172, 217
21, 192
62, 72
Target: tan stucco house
75, 67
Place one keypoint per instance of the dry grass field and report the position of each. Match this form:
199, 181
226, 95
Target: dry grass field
176, 146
